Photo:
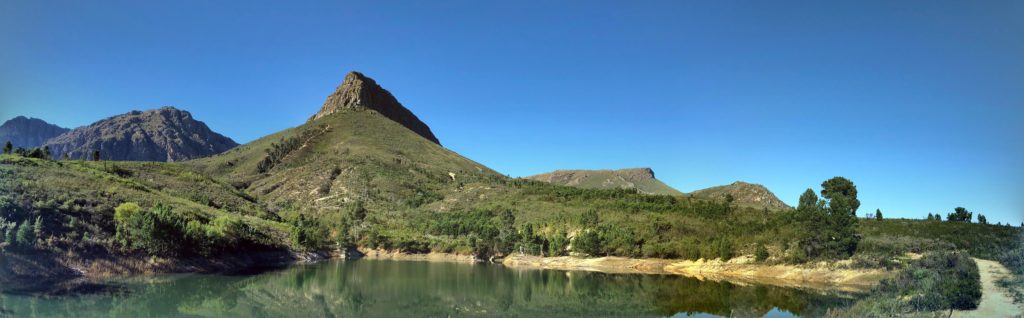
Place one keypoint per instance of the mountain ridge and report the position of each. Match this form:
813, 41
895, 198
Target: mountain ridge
29, 132
163, 134
641, 179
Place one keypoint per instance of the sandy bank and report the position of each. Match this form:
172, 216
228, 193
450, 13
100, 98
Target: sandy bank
396, 255
617, 265
819, 276
738, 270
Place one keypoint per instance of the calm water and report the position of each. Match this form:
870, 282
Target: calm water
370, 288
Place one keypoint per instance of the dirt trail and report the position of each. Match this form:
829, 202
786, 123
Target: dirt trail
994, 300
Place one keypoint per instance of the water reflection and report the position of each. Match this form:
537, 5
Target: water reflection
421, 289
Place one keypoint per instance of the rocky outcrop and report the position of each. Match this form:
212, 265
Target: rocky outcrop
165, 134
360, 92
28, 132
745, 194
641, 179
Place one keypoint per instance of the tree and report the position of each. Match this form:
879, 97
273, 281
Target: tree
760, 253
841, 187
37, 228
66, 157
25, 237
46, 152
36, 153
982, 219
960, 214
878, 214
589, 219
10, 235
95, 155
587, 242
8, 147
829, 225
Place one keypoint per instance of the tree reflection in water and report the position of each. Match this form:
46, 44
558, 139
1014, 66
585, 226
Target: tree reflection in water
373, 288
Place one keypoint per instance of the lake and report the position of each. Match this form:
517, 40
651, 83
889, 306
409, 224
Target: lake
378, 288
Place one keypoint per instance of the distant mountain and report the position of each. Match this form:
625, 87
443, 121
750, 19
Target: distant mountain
165, 134
745, 194
641, 179
28, 132
359, 92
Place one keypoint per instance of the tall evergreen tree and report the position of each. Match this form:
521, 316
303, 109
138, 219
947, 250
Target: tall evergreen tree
8, 147
96, 155
25, 237
982, 219
878, 214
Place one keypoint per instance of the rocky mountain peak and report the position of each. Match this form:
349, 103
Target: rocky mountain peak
360, 92
27, 132
164, 134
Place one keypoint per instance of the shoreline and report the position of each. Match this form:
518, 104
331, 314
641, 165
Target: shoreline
740, 270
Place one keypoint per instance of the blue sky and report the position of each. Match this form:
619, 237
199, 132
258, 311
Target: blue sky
920, 103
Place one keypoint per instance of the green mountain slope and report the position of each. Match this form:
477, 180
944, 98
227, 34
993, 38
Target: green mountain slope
641, 179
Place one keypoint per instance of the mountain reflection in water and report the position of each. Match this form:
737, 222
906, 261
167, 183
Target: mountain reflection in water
372, 288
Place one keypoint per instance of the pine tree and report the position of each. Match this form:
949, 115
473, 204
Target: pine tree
8, 147
25, 237
37, 228
982, 219
96, 155
46, 152
878, 214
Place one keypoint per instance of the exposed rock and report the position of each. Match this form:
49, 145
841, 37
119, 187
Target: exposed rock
746, 194
360, 92
165, 134
28, 132
641, 179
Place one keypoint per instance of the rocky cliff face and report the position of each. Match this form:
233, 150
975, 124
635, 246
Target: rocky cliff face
360, 92
165, 134
746, 194
28, 132
641, 179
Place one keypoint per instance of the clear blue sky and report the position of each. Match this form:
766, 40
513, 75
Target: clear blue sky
920, 103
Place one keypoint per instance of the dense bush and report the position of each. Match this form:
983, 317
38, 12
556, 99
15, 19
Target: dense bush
162, 231
937, 282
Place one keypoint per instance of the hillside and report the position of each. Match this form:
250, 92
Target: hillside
28, 132
641, 179
165, 134
743, 194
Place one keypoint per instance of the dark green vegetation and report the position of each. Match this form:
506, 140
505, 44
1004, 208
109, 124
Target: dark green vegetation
828, 225
937, 282
418, 289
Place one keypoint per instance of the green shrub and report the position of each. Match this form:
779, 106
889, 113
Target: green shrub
760, 253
